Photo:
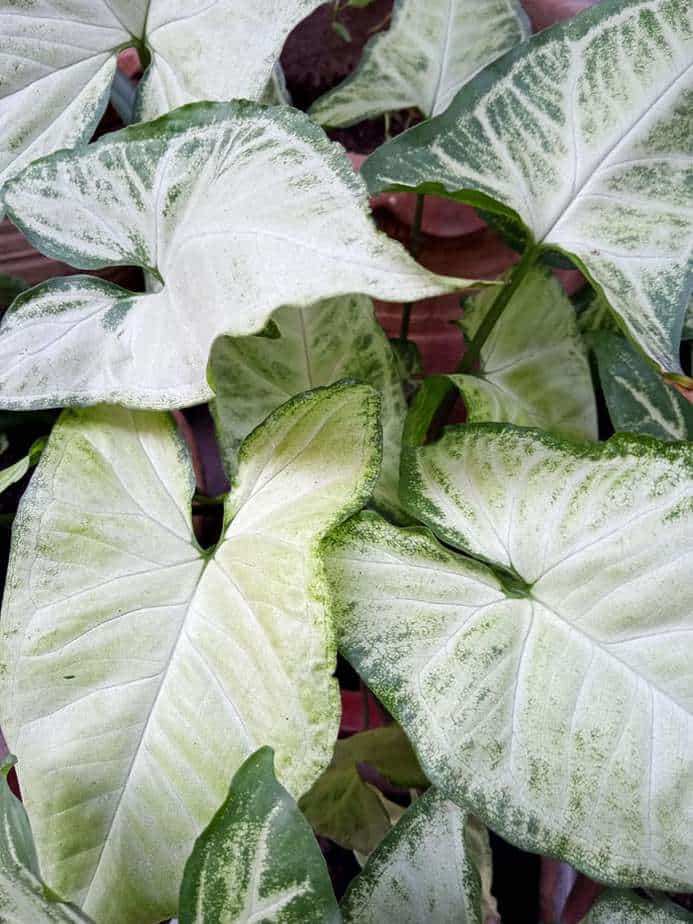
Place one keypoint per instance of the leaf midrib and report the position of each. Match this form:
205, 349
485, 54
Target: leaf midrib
126, 779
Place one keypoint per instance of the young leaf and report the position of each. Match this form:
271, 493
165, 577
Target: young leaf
152, 668
430, 50
206, 198
534, 369
258, 859
627, 908
318, 345
60, 62
554, 696
24, 899
582, 136
345, 808
637, 398
426, 869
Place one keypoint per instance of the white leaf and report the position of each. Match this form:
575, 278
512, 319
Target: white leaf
430, 50
319, 345
140, 671
238, 209
426, 869
581, 139
58, 60
553, 696
534, 370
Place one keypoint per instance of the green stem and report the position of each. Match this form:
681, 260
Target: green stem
423, 409
414, 248
473, 351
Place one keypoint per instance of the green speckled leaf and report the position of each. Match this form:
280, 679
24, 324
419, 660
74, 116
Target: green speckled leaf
258, 860
430, 50
627, 908
534, 370
318, 345
349, 811
553, 692
239, 209
154, 668
594, 312
24, 899
59, 58
639, 401
427, 869
583, 134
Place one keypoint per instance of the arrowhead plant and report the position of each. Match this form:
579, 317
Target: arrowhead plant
219, 475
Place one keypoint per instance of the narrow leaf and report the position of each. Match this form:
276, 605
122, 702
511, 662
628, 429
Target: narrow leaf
318, 345
426, 869
637, 398
580, 139
258, 859
205, 199
552, 693
534, 370
431, 49
153, 668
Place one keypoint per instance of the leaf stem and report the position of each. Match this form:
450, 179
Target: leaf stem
415, 239
473, 351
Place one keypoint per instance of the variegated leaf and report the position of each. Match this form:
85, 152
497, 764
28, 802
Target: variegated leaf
637, 398
24, 899
553, 691
426, 869
318, 345
214, 50
581, 140
235, 208
258, 860
59, 58
139, 671
628, 908
533, 367
430, 50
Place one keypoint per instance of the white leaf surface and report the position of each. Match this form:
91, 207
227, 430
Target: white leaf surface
238, 209
430, 50
318, 345
426, 869
553, 696
214, 49
139, 671
582, 136
58, 58
534, 370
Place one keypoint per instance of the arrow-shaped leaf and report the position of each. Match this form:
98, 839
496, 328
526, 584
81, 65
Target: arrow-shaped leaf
553, 691
236, 208
139, 671
581, 139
